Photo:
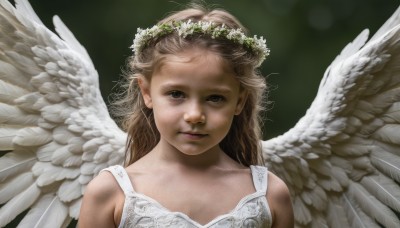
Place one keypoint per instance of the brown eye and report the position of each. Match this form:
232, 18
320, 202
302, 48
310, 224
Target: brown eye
176, 94
216, 98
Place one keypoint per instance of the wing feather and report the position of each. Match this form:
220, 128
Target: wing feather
49, 212
32, 136
9, 92
26, 9
11, 115
18, 204
388, 133
373, 207
18, 79
75, 208
356, 216
69, 38
14, 163
12, 186
70, 190
387, 163
337, 217
383, 188
7, 134
53, 120
388, 25
351, 133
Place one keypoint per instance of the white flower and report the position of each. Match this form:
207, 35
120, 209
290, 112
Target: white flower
205, 26
256, 45
186, 28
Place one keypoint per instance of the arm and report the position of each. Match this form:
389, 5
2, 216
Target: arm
99, 202
278, 197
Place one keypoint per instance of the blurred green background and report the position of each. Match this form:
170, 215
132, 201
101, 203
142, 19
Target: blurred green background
304, 37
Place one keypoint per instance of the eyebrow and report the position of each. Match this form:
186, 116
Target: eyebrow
215, 89
168, 86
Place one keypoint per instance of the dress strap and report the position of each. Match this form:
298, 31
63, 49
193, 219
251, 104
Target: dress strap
122, 178
260, 178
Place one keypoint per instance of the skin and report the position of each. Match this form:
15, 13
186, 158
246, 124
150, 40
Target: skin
194, 97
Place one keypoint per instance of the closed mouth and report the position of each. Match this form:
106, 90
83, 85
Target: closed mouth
194, 134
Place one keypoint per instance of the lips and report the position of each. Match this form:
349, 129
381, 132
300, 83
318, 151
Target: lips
194, 135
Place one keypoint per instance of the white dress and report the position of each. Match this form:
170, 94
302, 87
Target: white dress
142, 211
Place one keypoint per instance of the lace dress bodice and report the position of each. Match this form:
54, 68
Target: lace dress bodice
142, 211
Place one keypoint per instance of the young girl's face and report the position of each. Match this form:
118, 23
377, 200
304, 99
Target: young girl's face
194, 97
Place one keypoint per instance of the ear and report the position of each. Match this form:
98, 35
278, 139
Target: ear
241, 102
144, 86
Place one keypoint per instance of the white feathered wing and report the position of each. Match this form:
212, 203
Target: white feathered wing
342, 159
52, 119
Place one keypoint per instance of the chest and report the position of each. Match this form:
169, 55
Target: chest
200, 198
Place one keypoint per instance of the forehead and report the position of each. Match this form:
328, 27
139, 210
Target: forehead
196, 64
194, 54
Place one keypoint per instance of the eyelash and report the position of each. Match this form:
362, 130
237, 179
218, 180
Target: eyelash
175, 94
216, 98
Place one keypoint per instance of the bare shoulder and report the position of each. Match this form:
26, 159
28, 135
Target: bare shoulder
277, 188
100, 201
102, 186
280, 203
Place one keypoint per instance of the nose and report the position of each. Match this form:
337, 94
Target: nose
194, 114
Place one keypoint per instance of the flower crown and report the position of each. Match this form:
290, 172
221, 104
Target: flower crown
256, 45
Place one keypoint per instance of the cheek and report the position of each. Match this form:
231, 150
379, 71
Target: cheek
221, 122
165, 116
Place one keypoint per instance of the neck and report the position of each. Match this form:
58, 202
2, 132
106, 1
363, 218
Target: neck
171, 155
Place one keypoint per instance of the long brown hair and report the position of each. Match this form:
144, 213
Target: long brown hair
242, 141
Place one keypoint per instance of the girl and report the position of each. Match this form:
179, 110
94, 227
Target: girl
193, 148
